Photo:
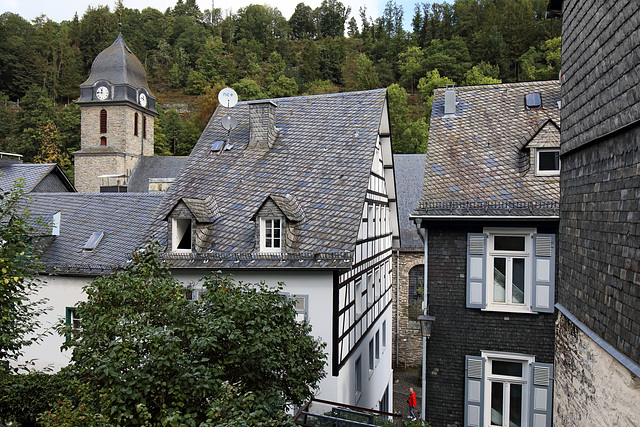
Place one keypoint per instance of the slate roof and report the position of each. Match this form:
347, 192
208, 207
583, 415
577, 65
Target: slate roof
153, 167
409, 172
32, 174
475, 159
127, 221
322, 157
118, 65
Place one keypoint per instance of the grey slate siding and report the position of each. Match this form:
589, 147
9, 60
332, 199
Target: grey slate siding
600, 69
599, 240
50, 184
459, 331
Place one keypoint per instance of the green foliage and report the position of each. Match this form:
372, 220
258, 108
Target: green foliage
428, 84
248, 89
18, 279
411, 66
175, 135
332, 15
414, 138
150, 355
542, 63
481, 74
23, 397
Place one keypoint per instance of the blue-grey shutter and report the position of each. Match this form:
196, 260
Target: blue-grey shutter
474, 391
544, 260
541, 392
476, 270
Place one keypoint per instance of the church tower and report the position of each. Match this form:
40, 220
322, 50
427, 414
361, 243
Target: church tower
117, 114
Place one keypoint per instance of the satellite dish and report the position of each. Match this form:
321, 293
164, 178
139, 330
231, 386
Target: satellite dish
229, 122
227, 97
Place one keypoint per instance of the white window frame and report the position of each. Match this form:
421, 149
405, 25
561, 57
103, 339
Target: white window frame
524, 380
553, 172
179, 227
527, 233
264, 226
357, 297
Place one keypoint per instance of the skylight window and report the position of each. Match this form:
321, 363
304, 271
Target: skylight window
532, 101
93, 241
217, 146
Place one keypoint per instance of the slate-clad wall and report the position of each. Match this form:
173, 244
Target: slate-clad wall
599, 242
600, 68
459, 331
50, 184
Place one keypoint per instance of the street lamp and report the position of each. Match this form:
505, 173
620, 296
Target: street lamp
426, 324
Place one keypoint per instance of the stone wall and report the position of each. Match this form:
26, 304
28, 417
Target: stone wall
591, 387
89, 167
120, 129
407, 343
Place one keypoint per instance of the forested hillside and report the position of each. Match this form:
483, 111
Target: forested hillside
190, 54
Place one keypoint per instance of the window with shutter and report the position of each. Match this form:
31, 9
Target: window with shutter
511, 269
507, 390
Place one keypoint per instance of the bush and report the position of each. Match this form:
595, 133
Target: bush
23, 397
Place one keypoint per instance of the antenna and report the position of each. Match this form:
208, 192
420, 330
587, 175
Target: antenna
228, 97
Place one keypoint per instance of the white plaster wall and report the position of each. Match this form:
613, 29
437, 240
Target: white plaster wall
591, 388
61, 292
374, 382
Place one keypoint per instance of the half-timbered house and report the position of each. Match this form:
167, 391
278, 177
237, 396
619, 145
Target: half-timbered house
302, 192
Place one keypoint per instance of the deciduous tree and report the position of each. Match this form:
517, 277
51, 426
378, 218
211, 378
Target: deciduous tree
150, 354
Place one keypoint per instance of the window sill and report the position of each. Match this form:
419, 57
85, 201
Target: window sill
509, 309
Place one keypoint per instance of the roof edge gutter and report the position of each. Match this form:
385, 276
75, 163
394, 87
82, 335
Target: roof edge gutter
424, 218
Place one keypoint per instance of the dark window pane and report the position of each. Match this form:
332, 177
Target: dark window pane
497, 410
515, 405
549, 160
508, 243
499, 274
510, 369
517, 290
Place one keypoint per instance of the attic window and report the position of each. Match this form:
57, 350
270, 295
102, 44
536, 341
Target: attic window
93, 241
181, 235
271, 234
548, 161
532, 101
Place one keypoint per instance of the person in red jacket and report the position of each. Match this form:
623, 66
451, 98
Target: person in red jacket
412, 403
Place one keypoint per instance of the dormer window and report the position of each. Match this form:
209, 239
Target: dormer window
277, 223
271, 234
547, 161
181, 235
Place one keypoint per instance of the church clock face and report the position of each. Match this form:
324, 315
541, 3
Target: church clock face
102, 93
143, 99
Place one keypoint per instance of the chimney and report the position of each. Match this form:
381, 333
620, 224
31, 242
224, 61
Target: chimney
262, 124
450, 100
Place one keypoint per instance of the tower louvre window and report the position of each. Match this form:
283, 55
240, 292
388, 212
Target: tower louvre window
135, 124
144, 127
103, 121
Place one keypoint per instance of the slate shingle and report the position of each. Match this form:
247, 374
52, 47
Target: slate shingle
478, 160
322, 157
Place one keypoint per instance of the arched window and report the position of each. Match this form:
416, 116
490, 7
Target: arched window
144, 127
416, 291
103, 121
135, 124
103, 140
